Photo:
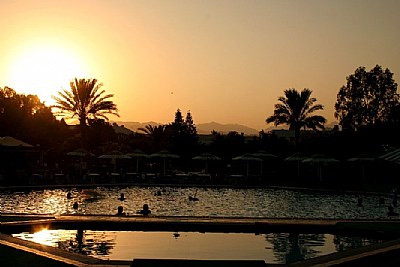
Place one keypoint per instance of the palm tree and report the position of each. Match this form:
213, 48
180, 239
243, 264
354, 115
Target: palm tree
157, 134
295, 110
85, 100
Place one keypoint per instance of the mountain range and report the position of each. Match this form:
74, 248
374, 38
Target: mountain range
202, 128
207, 128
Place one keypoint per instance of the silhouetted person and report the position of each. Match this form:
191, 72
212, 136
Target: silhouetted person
360, 202
120, 210
391, 212
79, 238
122, 197
145, 211
75, 205
158, 193
193, 198
176, 235
69, 195
394, 197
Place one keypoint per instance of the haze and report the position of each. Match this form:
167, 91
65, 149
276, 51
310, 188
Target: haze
225, 61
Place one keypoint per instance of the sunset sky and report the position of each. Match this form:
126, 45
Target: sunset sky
224, 60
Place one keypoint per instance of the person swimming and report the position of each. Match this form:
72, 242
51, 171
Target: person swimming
391, 212
69, 195
122, 197
193, 198
120, 210
394, 197
360, 202
145, 211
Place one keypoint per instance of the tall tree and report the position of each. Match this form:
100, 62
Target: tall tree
27, 118
368, 98
184, 138
179, 123
85, 100
190, 126
295, 110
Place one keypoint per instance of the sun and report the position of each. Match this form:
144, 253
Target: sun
44, 70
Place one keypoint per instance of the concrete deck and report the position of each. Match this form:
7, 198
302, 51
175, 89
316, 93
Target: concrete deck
11, 223
25, 253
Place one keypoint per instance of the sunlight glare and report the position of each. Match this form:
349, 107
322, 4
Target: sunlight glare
43, 71
42, 237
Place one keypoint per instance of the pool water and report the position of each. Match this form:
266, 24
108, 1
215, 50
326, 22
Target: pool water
174, 201
127, 245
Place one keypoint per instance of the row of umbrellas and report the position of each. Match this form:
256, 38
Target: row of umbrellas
261, 156
165, 154
118, 155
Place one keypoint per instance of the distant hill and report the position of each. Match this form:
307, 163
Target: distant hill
207, 128
202, 128
134, 126
328, 126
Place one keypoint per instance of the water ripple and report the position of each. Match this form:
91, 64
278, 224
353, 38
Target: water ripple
224, 202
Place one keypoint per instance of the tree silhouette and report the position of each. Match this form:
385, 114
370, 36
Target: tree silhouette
184, 138
158, 136
228, 145
100, 132
368, 98
85, 100
291, 247
26, 117
190, 126
295, 110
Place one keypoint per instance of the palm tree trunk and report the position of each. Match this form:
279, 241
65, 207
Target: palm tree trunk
83, 129
297, 136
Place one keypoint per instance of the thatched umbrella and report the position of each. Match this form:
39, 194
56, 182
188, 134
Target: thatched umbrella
320, 160
247, 158
9, 141
80, 152
164, 154
392, 156
137, 154
362, 160
114, 156
265, 156
296, 157
207, 157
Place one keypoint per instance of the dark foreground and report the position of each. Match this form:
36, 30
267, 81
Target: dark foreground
16, 252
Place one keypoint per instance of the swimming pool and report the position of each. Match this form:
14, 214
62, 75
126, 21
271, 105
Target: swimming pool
174, 201
127, 245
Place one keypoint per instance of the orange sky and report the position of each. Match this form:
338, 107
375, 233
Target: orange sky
224, 60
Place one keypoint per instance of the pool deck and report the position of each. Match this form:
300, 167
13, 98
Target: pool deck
18, 222
21, 251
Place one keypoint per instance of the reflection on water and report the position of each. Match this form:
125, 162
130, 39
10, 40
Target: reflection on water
92, 243
173, 201
292, 247
343, 243
127, 245
295, 247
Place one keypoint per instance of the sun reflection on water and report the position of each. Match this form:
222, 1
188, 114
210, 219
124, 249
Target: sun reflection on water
223, 202
125, 245
43, 237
